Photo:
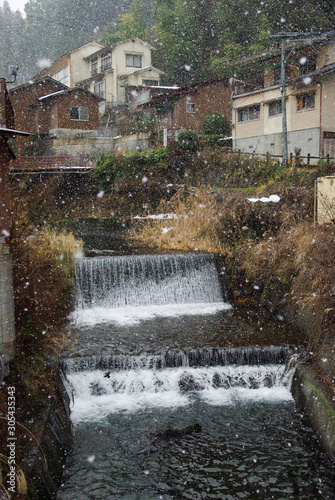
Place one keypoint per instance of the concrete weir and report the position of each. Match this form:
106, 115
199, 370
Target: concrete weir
54, 429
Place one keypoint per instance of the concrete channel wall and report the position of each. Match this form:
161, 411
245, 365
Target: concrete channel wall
318, 403
7, 319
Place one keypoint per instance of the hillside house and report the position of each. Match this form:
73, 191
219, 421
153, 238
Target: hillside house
50, 109
108, 72
310, 102
185, 108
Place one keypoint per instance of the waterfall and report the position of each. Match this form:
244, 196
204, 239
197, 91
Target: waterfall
130, 288
101, 385
127, 289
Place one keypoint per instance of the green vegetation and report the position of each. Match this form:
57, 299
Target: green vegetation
215, 129
216, 124
188, 140
113, 166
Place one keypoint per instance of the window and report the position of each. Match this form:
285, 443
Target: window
275, 108
307, 65
94, 66
79, 113
62, 75
190, 107
134, 61
306, 101
99, 89
248, 114
153, 83
106, 62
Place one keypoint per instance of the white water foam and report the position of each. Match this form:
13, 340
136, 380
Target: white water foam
134, 315
96, 396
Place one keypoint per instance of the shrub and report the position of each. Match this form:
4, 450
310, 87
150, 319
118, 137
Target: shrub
216, 124
107, 168
145, 122
189, 140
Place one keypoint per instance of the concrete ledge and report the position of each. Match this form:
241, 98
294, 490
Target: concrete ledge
318, 403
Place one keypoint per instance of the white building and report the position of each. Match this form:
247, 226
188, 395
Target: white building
310, 103
109, 72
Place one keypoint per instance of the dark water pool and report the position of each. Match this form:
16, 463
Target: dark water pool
244, 450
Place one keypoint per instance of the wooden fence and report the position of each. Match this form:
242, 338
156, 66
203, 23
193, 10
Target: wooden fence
33, 164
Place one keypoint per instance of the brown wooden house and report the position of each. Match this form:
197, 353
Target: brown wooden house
185, 108
49, 109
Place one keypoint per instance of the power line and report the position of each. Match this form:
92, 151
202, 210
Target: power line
48, 21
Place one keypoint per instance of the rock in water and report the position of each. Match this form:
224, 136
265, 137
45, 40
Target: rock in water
173, 432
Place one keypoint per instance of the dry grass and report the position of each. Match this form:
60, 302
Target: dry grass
275, 246
219, 221
195, 226
43, 269
296, 271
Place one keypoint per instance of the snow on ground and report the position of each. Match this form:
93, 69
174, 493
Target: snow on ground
274, 198
158, 216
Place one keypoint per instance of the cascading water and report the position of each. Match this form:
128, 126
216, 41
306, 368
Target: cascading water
174, 379
163, 414
127, 289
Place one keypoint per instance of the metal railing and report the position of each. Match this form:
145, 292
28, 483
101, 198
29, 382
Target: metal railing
51, 164
293, 158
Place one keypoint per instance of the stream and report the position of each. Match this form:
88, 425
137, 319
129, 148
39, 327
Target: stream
178, 395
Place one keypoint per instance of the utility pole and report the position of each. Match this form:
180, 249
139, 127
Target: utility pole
283, 104
284, 37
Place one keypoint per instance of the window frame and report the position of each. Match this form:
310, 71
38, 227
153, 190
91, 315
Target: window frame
248, 113
276, 112
131, 58
150, 83
62, 75
105, 62
302, 99
100, 91
190, 108
94, 66
81, 110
